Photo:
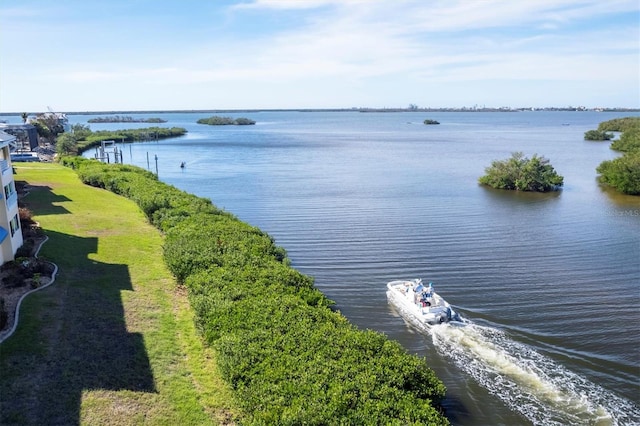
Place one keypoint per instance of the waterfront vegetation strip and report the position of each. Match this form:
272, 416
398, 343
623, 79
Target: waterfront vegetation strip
87, 139
288, 356
622, 173
113, 340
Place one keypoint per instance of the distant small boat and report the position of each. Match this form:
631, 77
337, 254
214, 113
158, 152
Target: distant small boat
420, 301
183, 165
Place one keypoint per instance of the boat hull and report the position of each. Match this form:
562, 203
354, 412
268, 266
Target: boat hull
421, 302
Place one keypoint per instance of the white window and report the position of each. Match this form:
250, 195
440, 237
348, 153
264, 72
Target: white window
9, 189
15, 225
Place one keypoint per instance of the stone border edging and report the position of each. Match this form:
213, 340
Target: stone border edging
10, 332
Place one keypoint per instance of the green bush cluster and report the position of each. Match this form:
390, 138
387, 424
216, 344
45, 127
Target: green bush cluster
522, 174
226, 121
290, 358
623, 173
597, 135
629, 141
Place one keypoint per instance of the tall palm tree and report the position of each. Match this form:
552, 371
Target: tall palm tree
24, 117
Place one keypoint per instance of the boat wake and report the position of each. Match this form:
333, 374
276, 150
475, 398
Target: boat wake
530, 383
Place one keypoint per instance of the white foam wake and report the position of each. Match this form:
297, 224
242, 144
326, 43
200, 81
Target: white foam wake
540, 389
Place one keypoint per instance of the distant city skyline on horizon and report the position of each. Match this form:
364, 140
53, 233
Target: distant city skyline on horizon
355, 109
318, 54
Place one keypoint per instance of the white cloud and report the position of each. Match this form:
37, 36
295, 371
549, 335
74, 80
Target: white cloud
337, 51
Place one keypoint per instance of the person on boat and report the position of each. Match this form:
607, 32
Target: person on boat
430, 290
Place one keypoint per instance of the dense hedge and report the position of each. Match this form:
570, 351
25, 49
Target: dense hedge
289, 357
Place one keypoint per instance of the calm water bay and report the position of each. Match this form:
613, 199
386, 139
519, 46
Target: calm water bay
550, 283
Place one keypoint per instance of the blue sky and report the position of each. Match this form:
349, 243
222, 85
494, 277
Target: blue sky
120, 55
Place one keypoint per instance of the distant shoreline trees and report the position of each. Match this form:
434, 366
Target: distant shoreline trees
226, 121
124, 119
520, 173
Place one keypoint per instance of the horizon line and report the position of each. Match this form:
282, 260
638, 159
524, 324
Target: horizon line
352, 109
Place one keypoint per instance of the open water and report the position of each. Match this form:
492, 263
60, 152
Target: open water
550, 283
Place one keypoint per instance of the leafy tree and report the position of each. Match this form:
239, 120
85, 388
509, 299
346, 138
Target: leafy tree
67, 144
81, 131
622, 173
597, 135
48, 126
522, 174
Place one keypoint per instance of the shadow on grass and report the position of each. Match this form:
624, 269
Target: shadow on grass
42, 198
72, 338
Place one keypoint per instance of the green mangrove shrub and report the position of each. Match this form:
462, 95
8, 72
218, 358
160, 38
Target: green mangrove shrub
522, 174
619, 124
597, 135
623, 173
629, 141
226, 121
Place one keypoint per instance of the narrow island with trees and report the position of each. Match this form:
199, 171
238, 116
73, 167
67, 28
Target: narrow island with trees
83, 138
226, 121
520, 173
125, 119
429, 121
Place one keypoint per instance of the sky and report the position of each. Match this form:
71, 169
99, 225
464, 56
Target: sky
136, 55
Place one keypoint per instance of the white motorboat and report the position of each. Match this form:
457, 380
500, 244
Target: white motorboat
420, 301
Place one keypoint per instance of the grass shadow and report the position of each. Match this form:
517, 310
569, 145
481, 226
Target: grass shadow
42, 198
73, 339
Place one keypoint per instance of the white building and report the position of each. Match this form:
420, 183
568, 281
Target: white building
10, 232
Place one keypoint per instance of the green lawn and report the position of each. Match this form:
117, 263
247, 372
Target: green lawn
112, 341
